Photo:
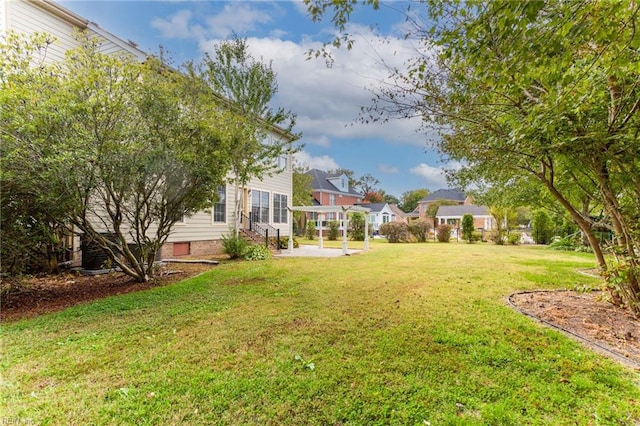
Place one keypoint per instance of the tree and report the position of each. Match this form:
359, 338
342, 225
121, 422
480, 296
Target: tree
467, 227
125, 148
542, 227
302, 196
410, 199
373, 197
247, 87
388, 198
367, 184
548, 90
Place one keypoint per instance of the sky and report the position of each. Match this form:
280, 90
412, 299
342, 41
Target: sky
326, 100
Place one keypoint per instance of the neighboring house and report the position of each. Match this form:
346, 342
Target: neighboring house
267, 199
331, 189
450, 195
399, 215
452, 215
379, 214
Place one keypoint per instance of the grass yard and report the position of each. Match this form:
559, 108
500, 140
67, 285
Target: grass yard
404, 334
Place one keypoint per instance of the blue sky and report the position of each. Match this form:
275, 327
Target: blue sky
327, 101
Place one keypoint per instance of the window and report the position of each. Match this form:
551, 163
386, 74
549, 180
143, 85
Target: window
332, 199
279, 208
385, 218
260, 206
220, 206
372, 218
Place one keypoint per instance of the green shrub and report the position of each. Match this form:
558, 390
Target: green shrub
257, 252
444, 233
283, 243
334, 230
395, 232
542, 227
477, 236
310, 232
467, 228
356, 225
420, 229
234, 246
514, 238
566, 244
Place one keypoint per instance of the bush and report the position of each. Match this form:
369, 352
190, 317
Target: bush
334, 230
467, 228
395, 232
356, 225
477, 236
283, 243
257, 252
234, 246
310, 232
420, 229
514, 238
542, 227
565, 244
444, 233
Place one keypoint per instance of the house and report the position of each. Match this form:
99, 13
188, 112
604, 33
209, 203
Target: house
331, 189
452, 215
448, 196
265, 200
379, 214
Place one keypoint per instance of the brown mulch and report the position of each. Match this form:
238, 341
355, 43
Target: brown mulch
33, 296
586, 315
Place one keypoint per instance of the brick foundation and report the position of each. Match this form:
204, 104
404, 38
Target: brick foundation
197, 248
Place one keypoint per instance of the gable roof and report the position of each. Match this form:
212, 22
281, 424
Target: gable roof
445, 194
374, 207
320, 182
462, 210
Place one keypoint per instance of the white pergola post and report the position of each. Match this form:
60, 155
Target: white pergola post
366, 232
290, 243
320, 239
345, 226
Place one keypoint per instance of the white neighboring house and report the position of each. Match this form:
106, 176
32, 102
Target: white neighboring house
266, 200
380, 214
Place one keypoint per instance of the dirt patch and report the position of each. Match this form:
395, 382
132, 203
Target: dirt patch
588, 316
32, 296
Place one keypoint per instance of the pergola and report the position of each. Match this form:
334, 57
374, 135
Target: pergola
322, 211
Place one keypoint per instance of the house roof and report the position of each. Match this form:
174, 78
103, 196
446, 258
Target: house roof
445, 194
458, 211
396, 210
320, 182
375, 207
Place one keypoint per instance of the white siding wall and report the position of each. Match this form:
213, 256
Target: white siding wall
25, 17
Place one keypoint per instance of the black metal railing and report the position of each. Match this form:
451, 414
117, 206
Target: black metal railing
263, 231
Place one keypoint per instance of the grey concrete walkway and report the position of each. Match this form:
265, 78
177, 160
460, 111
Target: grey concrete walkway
315, 251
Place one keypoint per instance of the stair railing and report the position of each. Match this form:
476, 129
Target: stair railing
262, 229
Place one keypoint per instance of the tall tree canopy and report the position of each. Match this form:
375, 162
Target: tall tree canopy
247, 86
544, 91
123, 149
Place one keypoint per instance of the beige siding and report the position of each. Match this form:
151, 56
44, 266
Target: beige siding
26, 17
31, 16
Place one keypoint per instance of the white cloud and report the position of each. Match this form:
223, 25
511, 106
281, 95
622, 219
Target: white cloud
385, 168
238, 17
324, 162
433, 176
177, 26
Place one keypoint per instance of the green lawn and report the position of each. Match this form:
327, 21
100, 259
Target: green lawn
403, 334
